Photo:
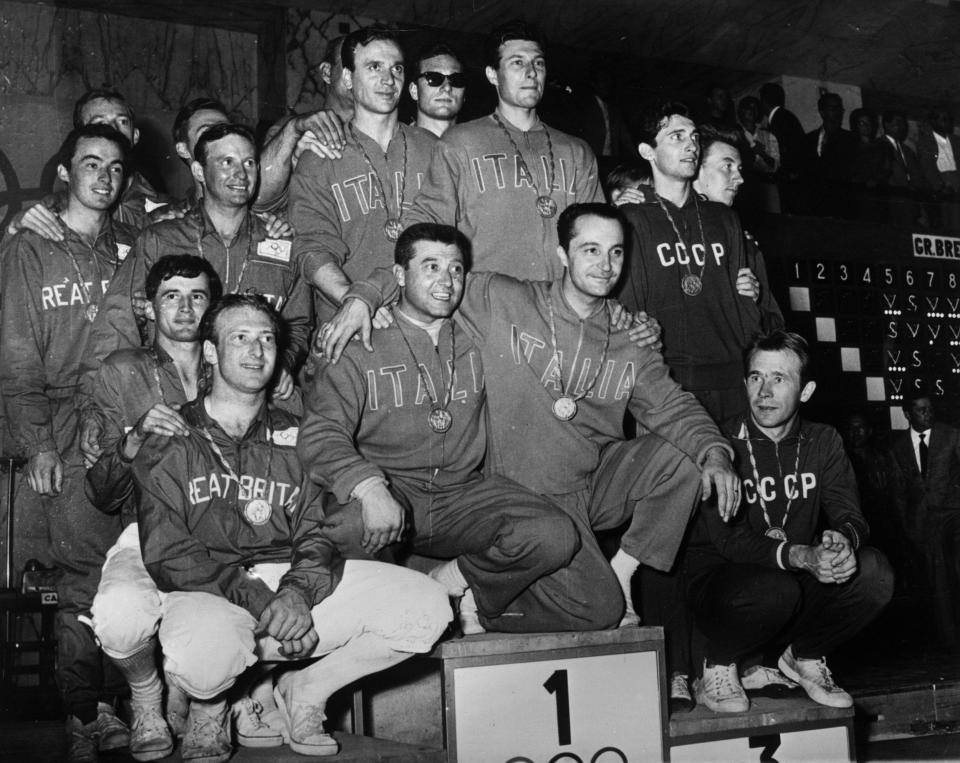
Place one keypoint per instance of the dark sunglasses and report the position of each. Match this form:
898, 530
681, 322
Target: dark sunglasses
436, 79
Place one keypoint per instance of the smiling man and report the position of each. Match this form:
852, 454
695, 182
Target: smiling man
349, 212
503, 179
220, 228
560, 378
52, 291
686, 255
240, 557
771, 578
438, 89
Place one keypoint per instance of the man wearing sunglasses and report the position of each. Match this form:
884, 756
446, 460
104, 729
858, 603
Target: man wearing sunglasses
438, 89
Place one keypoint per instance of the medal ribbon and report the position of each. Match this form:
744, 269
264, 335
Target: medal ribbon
676, 232
756, 482
376, 175
523, 162
434, 402
573, 363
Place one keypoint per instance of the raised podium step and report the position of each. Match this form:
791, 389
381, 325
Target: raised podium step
493, 698
786, 730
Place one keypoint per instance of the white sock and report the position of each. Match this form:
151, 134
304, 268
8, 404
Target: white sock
624, 566
450, 577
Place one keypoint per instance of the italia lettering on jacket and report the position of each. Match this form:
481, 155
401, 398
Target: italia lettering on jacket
615, 381
768, 487
502, 170
68, 293
358, 196
401, 385
219, 484
676, 252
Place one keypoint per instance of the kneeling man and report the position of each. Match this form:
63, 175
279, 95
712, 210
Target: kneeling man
245, 572
770, 576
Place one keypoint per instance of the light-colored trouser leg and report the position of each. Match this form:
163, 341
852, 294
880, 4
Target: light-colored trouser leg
208, 642
126, 609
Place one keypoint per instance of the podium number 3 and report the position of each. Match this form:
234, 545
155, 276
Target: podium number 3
557, 684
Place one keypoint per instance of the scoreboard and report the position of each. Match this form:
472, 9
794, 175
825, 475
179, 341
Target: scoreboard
881, 308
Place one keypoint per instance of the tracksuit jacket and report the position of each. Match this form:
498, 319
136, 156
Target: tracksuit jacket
476, 183
704, 335
126, 388
272, 270
509, 321
44, 331
338, 210
824, 490
201, 527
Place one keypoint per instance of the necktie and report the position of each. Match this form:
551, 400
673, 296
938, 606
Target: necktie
923, 454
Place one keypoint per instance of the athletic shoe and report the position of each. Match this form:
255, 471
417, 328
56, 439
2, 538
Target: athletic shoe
207, 739
150, 738
720, 689
767, 682
469, 616
82, 741
112, 733
681, 700
815, 678
304, 722
252, 727
178, 707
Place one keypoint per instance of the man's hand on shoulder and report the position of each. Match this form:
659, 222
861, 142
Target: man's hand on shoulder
287, 618
161, 419
276, 226
44, 472
321, 132
383, 518
40, 219
351, 319
718, 476
643, 330
747, 284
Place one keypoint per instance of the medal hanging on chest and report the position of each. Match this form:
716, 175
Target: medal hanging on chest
777, 532
393, 227
546, 206
439, 419
565, 407
92, 309
691, 283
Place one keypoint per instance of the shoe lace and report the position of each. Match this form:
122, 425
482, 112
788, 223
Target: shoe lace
107, 723
723, 684
82, 743
308, 721
678, 685
207, 727
148, 719
826, 677
254, 712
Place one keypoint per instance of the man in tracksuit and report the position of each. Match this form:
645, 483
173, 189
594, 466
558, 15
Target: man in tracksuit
685, 258
238, 554
219, 228
396, 439
771, 577
348, 212
559, 382
503, 178
51, 292
138, 392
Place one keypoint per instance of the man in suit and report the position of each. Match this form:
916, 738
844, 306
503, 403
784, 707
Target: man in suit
788, 131
925, 471
903, 176
938, 150
828, 159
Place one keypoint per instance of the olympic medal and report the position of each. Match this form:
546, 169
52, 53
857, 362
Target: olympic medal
546, 206
565, 408
257, 511
776, 533
392, 229
691, 285
440, 420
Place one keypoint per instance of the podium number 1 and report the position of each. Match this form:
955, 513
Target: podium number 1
557, 684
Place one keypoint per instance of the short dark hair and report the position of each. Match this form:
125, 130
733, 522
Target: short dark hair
515, 29
654, 118
98, 94
208, 323
69, 147
890, 114
364, 36
626, 174
567, 223
217, 132
405, 250
828, 96
773, 94
777, 341
863, 112
181, 124
185, 266
432, 50
750, 100
919, 390
332, 55
709, 135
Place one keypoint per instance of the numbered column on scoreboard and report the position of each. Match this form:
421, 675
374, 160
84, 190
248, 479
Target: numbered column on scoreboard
585, 706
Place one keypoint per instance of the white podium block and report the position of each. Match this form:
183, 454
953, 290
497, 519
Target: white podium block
595, 697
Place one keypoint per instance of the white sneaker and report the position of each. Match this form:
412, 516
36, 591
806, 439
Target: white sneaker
720, 689
815, 678
767, 682
252, 727
150, 737
304, 722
